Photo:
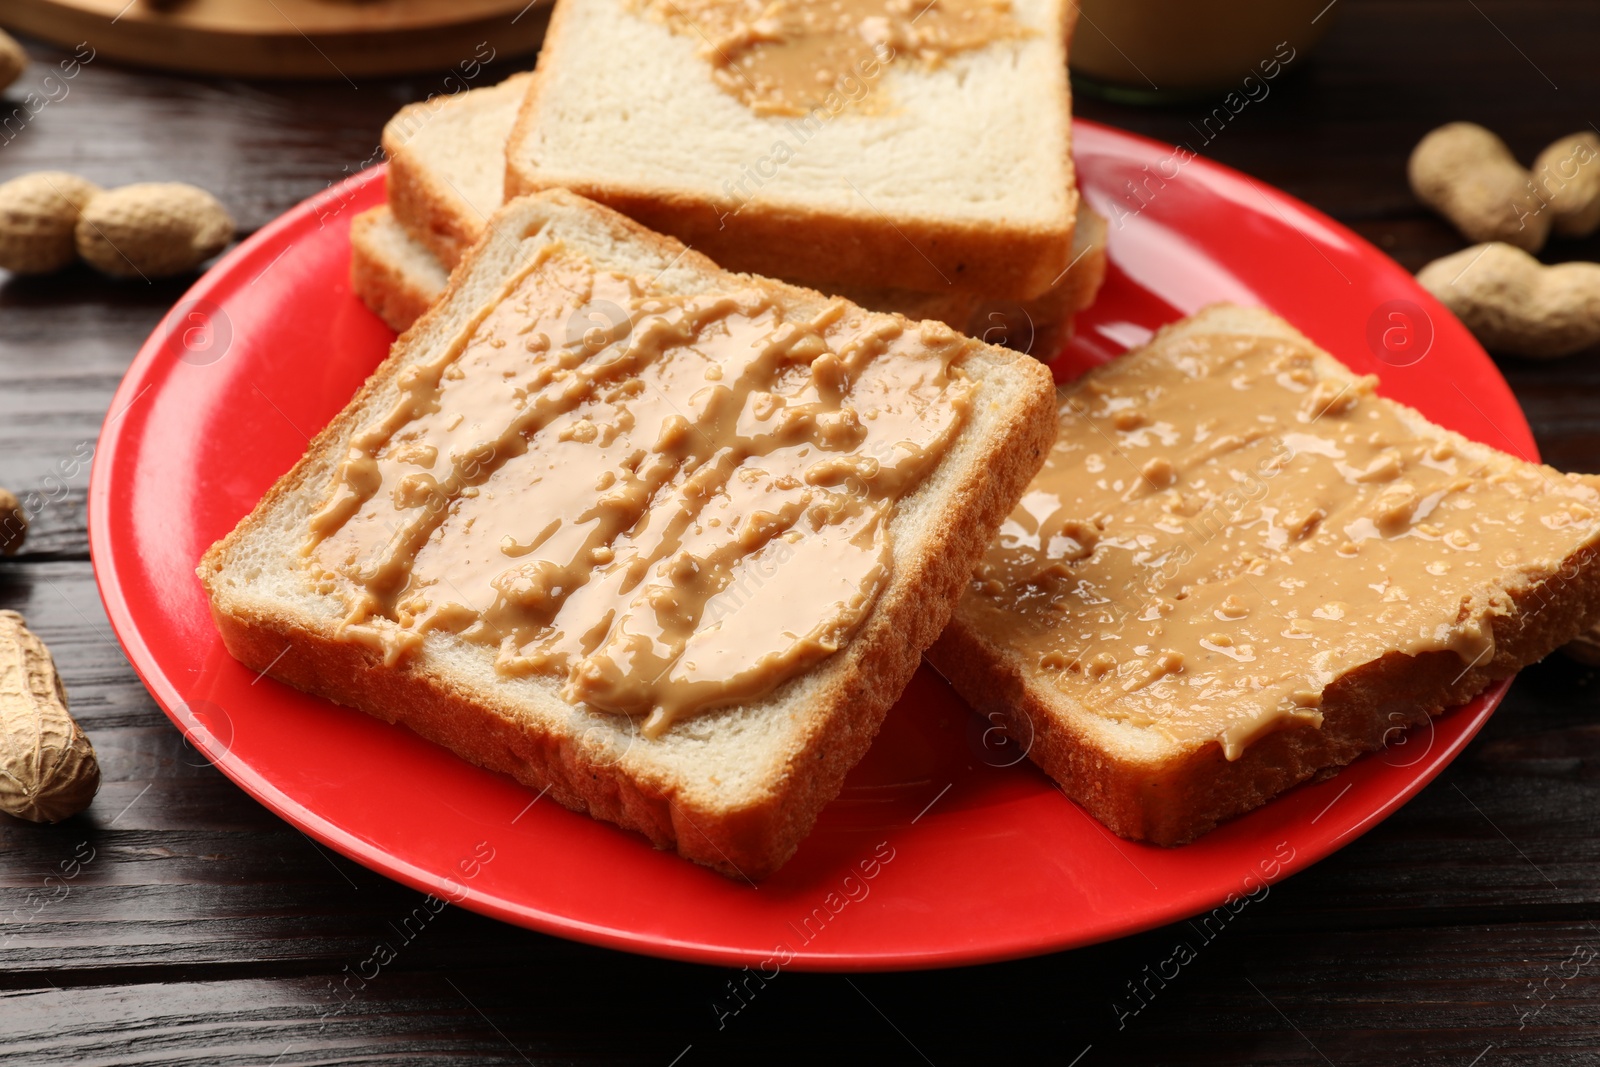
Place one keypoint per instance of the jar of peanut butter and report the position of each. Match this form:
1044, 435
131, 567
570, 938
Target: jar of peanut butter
1164, 51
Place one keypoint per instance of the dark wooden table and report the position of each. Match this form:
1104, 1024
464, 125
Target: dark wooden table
204, 930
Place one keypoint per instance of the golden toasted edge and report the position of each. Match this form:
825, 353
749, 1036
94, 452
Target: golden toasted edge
751, 842
385, 286
863, 247
431, 211
1174, 801
1050, 316
422, 201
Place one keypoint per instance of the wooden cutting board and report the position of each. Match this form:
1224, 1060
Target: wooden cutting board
288, 38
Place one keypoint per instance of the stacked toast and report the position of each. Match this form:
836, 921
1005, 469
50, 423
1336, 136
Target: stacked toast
970, 245
703, 427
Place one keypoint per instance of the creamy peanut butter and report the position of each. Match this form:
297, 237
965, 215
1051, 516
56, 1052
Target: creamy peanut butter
784, 57
665, 502
1223, 529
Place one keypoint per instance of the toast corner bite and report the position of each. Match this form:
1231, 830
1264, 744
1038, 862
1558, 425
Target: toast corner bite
1290, 572
472, 645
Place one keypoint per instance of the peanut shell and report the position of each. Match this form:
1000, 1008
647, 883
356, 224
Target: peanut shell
38, 213
47, 766
152, 230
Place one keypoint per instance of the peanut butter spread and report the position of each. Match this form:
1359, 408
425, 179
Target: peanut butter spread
665, 502
786, 57
1227, 524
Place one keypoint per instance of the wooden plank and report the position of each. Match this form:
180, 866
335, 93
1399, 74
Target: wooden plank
1437, 995
260, 147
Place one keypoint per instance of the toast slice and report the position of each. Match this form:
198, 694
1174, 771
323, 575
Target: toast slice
392, 272
731, 785
399, 278
447, 164
1240, 569
446, 171
952, 175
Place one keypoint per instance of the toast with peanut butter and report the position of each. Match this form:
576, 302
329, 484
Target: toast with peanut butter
869, 144
1240, 568
664, 540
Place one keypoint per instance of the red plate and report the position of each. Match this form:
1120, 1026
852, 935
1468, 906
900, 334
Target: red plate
944, 848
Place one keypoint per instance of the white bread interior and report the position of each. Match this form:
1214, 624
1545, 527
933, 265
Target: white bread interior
447, 164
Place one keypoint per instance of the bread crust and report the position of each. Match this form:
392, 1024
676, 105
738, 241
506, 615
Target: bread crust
487, 728
995, 258
379, 281
430, 209
825, 249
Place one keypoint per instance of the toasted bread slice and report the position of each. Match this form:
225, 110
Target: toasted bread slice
393, 273
734, 787
399, 278
953, 176
1210, 594
447, 164
446, 170
445, 180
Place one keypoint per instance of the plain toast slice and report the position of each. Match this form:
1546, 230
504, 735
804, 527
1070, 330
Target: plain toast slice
392, 272
1240, 568
735, 787
447, 164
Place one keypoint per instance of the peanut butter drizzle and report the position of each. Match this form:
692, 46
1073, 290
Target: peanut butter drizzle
784, 57
668, 503
1221, 531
